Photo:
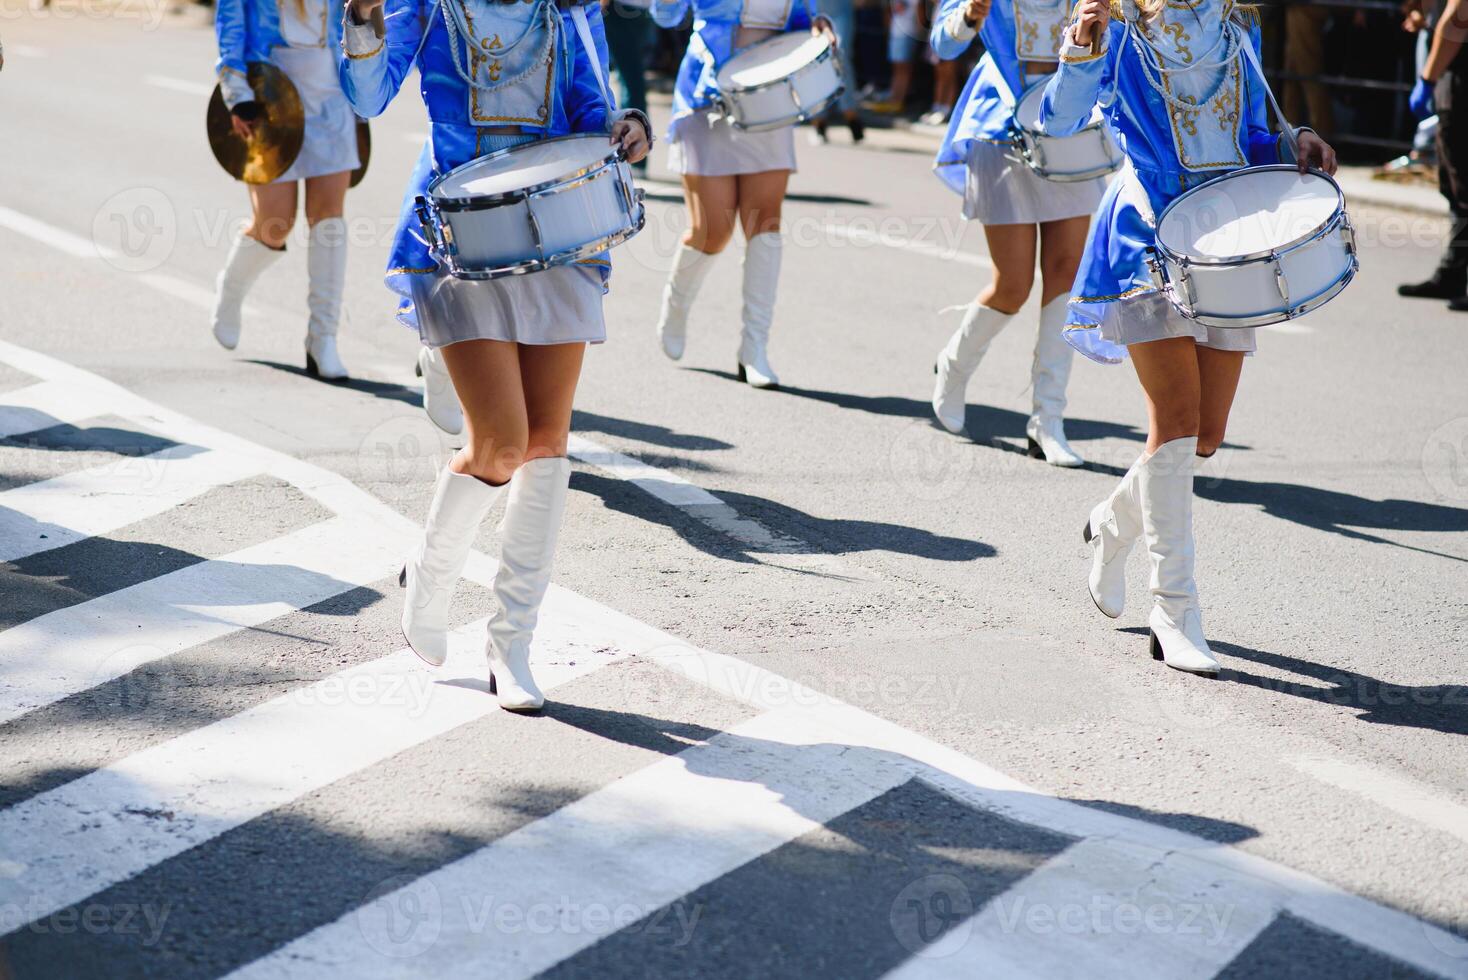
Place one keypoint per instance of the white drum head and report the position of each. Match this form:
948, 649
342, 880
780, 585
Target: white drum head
771, 60
526, 166
1027, 113
1249, 212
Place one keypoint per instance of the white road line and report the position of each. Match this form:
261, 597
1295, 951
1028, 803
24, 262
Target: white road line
1405, 796
53, 513
40, 406
36, 230
70, 650
641, 842
1105, 910
184, 85
861, 236
776, 548
71, 842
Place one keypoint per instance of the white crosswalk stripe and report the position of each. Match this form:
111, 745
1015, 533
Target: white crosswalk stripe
61, 511
72, 649
1127, 898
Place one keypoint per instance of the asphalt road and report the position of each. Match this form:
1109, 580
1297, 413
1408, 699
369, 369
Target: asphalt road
826, 533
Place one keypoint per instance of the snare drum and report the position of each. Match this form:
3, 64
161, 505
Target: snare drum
780, 82
1086, 155
1255, 247
531, 207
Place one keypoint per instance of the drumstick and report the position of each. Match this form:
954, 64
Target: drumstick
379, 26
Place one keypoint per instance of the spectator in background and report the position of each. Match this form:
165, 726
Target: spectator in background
1304, 54
628, 29
945, 90
1443, 86
842, 14
906, 40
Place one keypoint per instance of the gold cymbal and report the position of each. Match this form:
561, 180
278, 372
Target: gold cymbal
364, 150
278, 133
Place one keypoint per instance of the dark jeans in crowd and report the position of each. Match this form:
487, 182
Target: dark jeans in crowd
628, 30
1451, 97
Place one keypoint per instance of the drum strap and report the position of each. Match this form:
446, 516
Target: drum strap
1287, 131
583, 31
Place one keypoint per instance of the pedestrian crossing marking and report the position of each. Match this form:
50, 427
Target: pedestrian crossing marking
66, 509
66, 867
641, 842
43, 405
75, 648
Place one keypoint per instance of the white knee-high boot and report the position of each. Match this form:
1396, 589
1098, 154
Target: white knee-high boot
958, 361
1166, 479
460, 502
1049, 375
1114, 526
532, 523
326, 261
248, 258
762, 255
690, 268
440, 400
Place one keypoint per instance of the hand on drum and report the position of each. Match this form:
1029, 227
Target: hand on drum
362, 10
824, 25
1315, 152
632, 138
1092, 19
975, 12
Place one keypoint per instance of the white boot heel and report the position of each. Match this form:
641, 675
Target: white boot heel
326, 261
690, 268
460, 502
958, 361
1113, 526
1166, 480
531, 526
248, 259
1050, 376
762, 255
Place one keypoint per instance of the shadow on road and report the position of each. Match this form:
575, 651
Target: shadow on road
391, 391
1432, 707
656, 435
984, 422
826, 536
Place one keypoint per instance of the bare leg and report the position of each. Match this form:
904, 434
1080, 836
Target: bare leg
712, 204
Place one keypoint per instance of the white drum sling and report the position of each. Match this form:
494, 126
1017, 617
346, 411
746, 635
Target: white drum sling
531, 207
1255, 247
783, 81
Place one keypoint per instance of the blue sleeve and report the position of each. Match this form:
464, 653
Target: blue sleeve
1261, 144
800, 16
372, 70
587, 108
1072, 92
945, 45
669, 13
229, 29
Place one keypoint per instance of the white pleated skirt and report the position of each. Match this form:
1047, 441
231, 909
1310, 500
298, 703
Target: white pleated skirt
558, 306
702, 146
1000, 190
330, 143
1151, 316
